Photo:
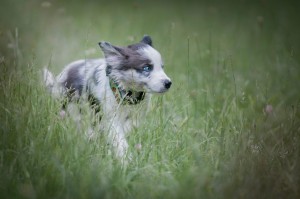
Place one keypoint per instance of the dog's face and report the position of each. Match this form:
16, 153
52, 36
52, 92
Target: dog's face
136, 67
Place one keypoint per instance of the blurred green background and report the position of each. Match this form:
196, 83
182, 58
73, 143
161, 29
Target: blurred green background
228, 128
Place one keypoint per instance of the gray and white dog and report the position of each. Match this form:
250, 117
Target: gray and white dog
122, 81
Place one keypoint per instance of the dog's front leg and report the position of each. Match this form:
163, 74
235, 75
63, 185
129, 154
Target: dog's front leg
113, 124
116, 137
111, 121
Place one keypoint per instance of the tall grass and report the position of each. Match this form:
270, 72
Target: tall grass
228, 128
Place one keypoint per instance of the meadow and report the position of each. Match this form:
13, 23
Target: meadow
228, 128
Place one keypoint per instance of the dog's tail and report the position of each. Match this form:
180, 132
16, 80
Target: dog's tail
49, 79
51, 83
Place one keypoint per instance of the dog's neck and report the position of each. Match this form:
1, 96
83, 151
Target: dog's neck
124, 96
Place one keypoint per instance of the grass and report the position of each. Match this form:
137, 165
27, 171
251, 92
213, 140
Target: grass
228, 128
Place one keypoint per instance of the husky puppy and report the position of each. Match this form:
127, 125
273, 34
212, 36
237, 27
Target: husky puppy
124, 79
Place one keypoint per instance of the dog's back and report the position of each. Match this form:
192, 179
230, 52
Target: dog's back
75, 79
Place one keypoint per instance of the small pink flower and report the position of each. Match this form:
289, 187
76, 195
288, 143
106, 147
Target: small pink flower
62, 114
268, 109
138, 146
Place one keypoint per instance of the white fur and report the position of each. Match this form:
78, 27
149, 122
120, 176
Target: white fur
117, 119
158, 75
114, 119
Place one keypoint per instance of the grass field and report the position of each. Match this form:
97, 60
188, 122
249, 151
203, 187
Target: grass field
228, 128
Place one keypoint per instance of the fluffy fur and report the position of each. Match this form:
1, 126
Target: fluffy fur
135, 70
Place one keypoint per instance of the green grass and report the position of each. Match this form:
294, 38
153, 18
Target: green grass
209, 137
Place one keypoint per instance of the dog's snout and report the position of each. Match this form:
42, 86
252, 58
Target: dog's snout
167, 83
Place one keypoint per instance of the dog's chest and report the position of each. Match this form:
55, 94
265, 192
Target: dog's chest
131, 116
127, 111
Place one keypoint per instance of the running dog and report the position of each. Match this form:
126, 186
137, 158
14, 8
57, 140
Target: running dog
124, 79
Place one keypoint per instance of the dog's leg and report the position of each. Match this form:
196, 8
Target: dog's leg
116, 134
73, 111
111, 121
117, 138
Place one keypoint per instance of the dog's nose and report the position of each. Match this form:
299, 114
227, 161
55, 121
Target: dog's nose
167, 83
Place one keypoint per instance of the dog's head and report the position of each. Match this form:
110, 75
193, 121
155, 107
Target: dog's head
136, 67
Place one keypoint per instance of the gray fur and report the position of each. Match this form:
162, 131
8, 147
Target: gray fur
91, 79
74, 81
147, 40
132, 59
124, 58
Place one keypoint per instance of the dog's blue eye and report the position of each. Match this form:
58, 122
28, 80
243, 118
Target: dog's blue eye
147, 68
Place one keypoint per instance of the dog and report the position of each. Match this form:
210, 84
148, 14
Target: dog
125, 78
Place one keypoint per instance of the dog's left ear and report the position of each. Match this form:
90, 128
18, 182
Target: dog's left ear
109, 50
147, 40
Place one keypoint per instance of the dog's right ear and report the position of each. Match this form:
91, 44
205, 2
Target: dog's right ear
147, 40
108, 49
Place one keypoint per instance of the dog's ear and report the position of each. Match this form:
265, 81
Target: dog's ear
109, 50
147, 40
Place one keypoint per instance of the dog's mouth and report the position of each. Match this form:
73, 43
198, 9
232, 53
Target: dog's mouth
160, 91
163, 91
